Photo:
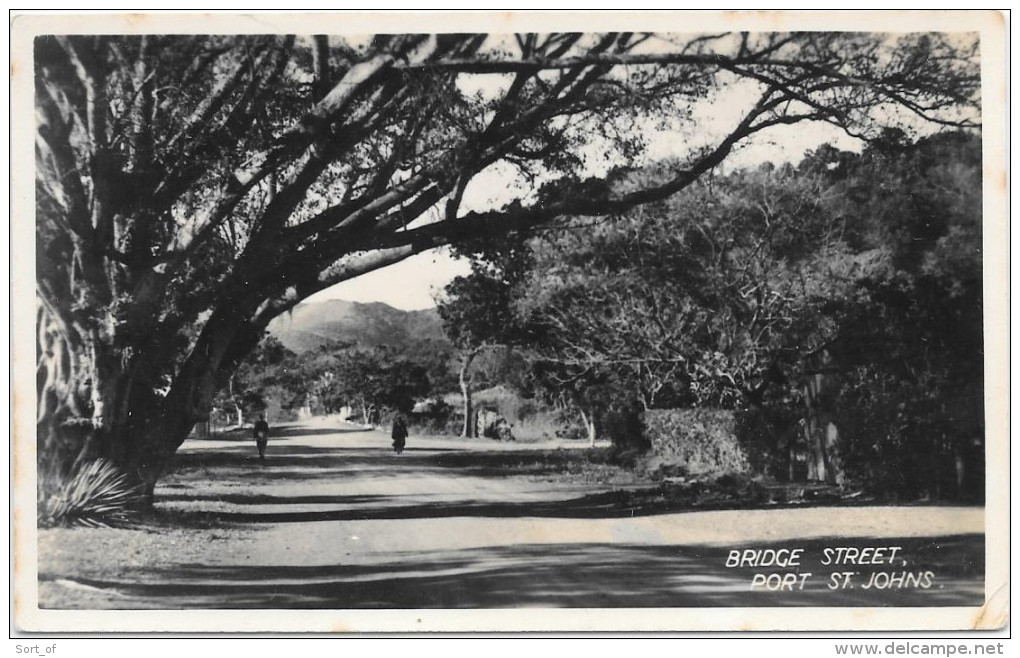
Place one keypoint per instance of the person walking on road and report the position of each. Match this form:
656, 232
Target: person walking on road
261, 431
399, 433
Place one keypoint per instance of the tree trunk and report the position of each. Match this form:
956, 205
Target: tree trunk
834, 472
825, 463
141, 450
825, 460
816, 450
237, 404
589, 426
469, 430
95, 405
791, 455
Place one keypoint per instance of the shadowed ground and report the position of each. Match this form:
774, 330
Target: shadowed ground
336, 520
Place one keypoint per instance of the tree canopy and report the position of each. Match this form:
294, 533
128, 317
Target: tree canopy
723, 295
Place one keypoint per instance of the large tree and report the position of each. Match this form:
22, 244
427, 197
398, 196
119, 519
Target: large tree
191, 188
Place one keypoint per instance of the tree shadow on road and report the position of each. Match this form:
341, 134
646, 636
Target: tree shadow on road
311, 457
558, 575
290, 431
303, 464
268, 499
277, 433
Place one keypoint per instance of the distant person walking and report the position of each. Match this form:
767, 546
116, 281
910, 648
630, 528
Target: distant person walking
261, 431
399, 433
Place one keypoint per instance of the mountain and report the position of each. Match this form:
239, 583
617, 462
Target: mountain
309, 326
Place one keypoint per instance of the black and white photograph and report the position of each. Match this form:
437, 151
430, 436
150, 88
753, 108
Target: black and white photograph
510, 322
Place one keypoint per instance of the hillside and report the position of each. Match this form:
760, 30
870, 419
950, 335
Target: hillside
309, 326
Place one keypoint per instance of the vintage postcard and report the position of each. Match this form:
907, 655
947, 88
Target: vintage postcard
510, 322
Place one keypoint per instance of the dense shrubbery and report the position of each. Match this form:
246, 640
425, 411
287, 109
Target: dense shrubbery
623, 423
904, 441
701, 441
694, 442
900, 443
770, 437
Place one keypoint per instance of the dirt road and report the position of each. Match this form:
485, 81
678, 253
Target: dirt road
334, 519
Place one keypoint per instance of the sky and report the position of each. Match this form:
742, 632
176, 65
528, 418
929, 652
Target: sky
409, 285
416, 282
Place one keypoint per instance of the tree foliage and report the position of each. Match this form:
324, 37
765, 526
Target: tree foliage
700, 299
722, 295
344, 374
258, 380
914, 415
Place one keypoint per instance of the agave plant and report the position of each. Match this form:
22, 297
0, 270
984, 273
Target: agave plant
97, 494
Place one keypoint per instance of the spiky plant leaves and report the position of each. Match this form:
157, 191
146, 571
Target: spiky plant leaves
97, 494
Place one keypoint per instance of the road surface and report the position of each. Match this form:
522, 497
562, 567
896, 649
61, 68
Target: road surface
335, 520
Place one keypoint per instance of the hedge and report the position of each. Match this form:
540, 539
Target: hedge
715, 441
697, 441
